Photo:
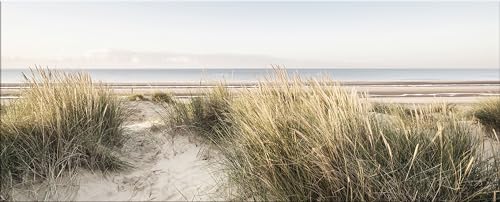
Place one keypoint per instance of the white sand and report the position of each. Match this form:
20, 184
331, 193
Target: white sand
168, 165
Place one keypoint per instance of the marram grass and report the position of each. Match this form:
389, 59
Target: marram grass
206, 114
162, 97
62, 121
137, 97
303, 140
487, 112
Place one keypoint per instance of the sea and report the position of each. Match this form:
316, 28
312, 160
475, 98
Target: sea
145, 75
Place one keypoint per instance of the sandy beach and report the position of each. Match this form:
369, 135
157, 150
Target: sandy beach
380, 91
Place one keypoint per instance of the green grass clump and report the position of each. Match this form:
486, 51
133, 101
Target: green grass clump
137, 97
303, 141
413, 110
207, 113
487, 113
62, 122
163, 97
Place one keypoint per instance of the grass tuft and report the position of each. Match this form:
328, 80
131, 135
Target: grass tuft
206, 114
487, 112
304, 140
163, 97
62, 122
137, 97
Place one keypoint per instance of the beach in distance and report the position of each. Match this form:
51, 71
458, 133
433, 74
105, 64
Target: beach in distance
387, 85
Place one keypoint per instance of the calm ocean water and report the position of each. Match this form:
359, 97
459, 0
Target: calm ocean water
166, 75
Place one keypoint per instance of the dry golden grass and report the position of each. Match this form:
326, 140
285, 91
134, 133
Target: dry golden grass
137, 97
163, 97
62, 121
302, 140
487, 113
206, 114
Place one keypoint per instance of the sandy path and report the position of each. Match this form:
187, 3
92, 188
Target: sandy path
168, 165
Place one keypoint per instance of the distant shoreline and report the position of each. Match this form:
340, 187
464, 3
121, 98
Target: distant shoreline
380, 91
251, 83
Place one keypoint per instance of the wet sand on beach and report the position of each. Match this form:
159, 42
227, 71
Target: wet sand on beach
392, 91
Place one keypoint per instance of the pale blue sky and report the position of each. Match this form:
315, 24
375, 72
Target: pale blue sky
226, 34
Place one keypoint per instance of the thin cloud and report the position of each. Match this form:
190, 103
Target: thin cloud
126, 58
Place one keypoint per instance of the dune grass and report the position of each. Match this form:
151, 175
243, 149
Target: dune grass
162, 97
206, 114
411, 109
137, 97
487, 113
299, 140
62, 122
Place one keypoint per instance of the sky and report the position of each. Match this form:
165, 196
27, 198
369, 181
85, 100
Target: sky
251, 34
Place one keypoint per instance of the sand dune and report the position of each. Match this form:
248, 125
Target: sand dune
168, 165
